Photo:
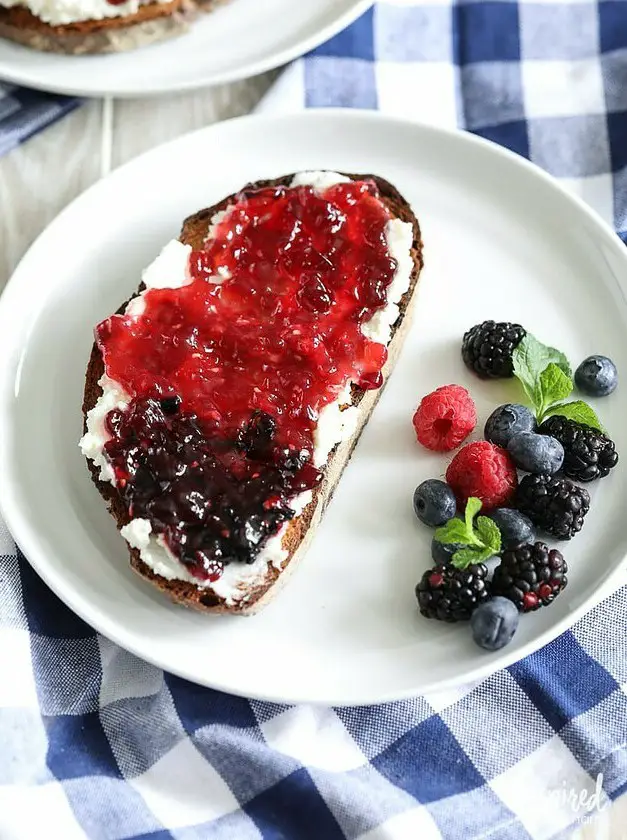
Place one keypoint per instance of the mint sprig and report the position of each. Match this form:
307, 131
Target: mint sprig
480, 540
546, 377
531, 358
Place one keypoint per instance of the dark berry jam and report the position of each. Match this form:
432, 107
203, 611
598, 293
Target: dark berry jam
213, 499
228, 374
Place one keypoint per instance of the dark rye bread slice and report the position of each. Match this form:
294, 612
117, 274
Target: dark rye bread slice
301, 529
153, 21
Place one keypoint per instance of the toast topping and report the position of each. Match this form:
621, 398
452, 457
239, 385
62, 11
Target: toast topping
68, 12
228, 374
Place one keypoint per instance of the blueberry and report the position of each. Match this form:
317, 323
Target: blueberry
515, 527
494, 623
596, 376
506, 421
539, 454
442, 553
434, 502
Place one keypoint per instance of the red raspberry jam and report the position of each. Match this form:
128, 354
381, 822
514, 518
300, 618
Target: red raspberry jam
229, 373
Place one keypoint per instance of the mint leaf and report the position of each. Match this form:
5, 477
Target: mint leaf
531, 358
454, 531
480, 540
461, 531
579, 411
464, 557
525, 366
553, 386
489, 534
473, 506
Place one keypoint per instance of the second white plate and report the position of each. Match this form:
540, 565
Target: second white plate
241, 39
501, 241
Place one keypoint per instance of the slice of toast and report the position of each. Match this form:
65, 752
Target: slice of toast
153, 21
301, 528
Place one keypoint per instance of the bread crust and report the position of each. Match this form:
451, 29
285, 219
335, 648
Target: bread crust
153, 21
301, 529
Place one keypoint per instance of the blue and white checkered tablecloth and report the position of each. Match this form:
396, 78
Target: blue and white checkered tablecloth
25, 112
95, 743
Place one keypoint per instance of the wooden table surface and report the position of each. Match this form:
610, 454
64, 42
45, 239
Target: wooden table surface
38, 179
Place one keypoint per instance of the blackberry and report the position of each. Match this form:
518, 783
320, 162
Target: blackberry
531, 576
487, 348
588, 453
450, 594
555, 505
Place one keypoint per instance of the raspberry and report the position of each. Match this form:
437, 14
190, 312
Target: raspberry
483, 470
445, 418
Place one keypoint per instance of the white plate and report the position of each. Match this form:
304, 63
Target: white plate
241, 39
502, 241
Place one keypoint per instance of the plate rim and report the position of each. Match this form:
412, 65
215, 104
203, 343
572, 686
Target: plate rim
249, 70
25, 535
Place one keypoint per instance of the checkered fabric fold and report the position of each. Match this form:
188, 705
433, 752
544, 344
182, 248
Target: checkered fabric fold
98, 744
25, 112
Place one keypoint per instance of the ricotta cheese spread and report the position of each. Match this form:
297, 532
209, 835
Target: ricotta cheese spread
63, 12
